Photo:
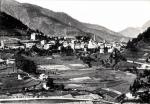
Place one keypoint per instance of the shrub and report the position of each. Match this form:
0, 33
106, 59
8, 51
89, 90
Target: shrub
25, 64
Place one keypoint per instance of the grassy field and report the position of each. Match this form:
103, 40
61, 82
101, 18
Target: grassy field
77, 76
75, 68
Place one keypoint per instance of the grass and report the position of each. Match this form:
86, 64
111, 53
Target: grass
108, 78
43, 61
117, 80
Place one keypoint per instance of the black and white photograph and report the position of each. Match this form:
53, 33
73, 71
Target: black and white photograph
74, 51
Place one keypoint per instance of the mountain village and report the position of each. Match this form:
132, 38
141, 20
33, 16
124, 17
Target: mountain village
54, 48
69, 63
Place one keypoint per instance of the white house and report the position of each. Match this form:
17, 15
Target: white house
2, 44
33, 36
77, 46
2, 62
43, 42
47, 46
10, 61
110, 50
16, 47
100, 43
92, 45
65, 44
43, 76
82, 45
101, 50
29, 45
52, 42
116, 45
145, 66
72, 45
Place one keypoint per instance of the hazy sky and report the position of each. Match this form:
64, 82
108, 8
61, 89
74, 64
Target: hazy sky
113, 14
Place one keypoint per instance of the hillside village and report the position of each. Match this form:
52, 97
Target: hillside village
75, 43
65, 65
85, 51
44, 61
41, 62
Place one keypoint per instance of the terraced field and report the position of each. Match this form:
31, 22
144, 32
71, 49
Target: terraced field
73, 74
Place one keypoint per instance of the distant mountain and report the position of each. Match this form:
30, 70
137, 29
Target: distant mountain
105, 33
146, 25
101, 28
53, 23
131, 32
135, 31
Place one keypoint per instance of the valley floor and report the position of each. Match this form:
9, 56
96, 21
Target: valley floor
73, 74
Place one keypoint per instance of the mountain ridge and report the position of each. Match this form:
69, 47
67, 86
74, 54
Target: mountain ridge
50, 22
13, 28
98, 27
135, 31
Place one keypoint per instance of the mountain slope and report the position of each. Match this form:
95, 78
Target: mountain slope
51, 23
135, 31
101, 28
146, 25
11, 27
100, 31
138, 48
131, 32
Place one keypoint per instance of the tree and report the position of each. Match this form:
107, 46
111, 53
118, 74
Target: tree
25, 64
141, 87
116, 57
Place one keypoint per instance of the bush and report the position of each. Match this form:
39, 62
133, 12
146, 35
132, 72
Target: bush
141, 86
25, 64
